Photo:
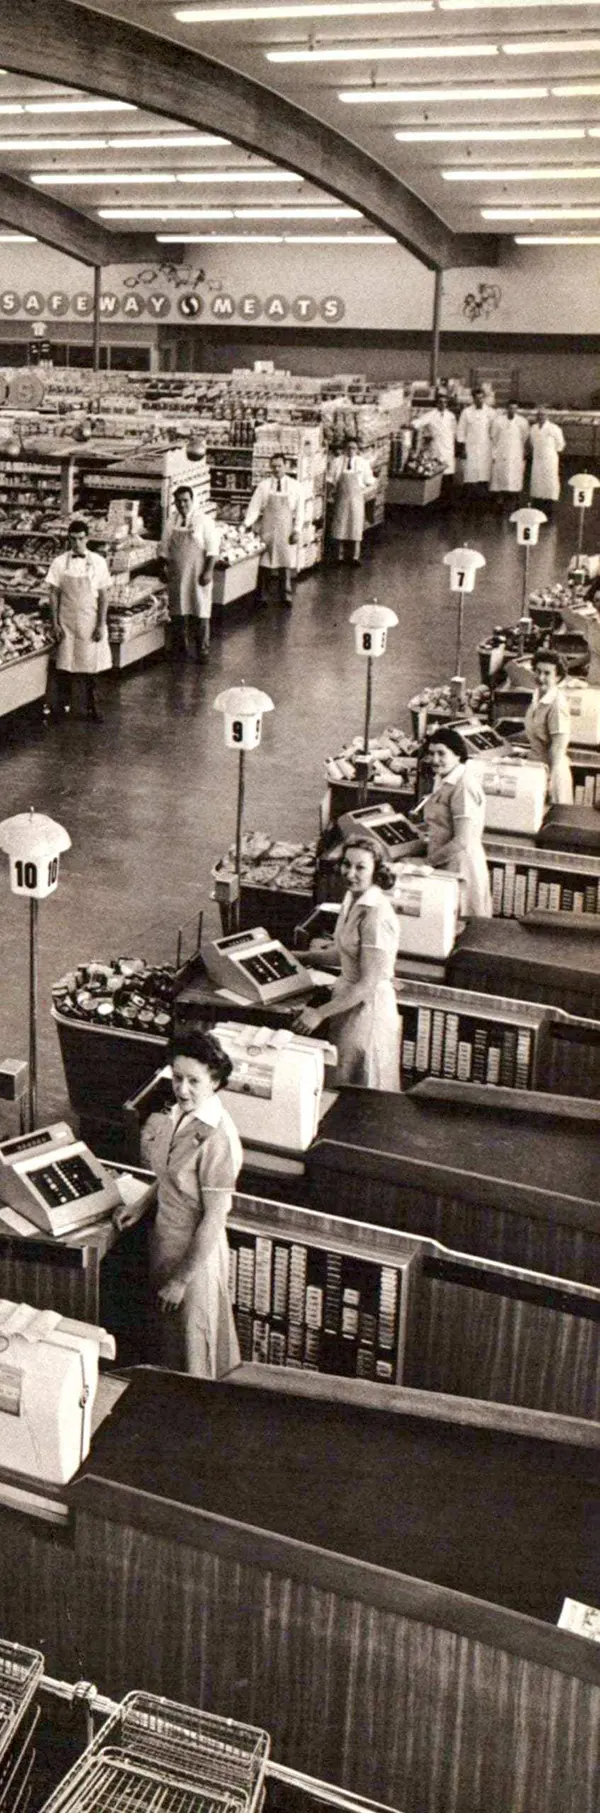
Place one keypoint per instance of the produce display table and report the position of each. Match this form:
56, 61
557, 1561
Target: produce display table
23, 681
415, 491
137, 648
236, 580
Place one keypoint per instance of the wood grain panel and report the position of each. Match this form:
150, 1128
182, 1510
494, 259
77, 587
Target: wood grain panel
475, 1344
384, 1704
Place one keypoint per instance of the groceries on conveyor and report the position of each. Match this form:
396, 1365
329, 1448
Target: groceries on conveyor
447, 704
237, 543
392, 755
23, 634
269, 862
126, 993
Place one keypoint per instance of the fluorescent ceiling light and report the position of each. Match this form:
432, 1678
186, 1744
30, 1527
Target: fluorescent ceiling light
549, 174
92, 104
557, 239
513, 6
490, 135
550, 47
369, 97
11, 107
331, 9
229, 213
541, 213
381, 53
131, 141
593, 131
24, 143
289, 239
237, 176
565, 89
83, 179
18, 239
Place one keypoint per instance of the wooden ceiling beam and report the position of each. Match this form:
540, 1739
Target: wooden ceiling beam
29, 210
90, 50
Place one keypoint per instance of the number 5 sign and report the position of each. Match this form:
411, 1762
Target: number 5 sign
33, 844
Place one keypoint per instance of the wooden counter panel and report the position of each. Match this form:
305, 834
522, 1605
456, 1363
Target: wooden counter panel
381, 1701
473, 1343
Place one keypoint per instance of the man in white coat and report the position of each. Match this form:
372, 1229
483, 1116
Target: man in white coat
474, 435
350, 478
276, 506
189, 549
509, 436
437, 427
547, 442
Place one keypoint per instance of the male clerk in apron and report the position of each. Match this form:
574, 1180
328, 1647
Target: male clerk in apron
189, 550
350, 476
277, 507
79, 584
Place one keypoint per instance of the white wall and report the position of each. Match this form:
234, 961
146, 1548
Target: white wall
534, 291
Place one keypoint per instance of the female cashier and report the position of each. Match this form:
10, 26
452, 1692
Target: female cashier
548, 725
454, 816
195, 1152
362, 1015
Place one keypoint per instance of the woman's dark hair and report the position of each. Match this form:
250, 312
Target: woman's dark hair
448, 739
547, 657
383, 876
205, 1050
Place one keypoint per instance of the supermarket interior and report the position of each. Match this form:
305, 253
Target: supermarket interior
300, 886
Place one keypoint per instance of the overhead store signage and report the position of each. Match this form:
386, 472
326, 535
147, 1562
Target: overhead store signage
157, 305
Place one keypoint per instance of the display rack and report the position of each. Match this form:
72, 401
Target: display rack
524, 879
448, 1032
29, 481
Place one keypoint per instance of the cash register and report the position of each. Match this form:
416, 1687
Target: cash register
255, 966
275, 1088
53, 1180
390, 830
515, 792
48, 1383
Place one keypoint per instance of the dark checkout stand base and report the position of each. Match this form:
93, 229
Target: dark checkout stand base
327, 1569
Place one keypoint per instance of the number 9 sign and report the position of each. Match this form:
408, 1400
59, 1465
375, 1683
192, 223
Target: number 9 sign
33, 844
243, 708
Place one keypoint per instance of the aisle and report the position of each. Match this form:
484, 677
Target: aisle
148, 798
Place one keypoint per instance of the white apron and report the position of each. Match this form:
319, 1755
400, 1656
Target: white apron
78, 615
187, 598
508, 455
545, 474
478, 447
276, 526
348, 517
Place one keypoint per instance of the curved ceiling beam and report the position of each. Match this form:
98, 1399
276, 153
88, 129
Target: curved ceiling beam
28, 210
89, 50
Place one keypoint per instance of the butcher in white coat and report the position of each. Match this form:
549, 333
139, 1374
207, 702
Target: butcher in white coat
474, 434
438, 426
509, 436
547, 443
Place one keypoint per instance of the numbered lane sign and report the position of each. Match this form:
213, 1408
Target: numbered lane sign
243, 733
464, 563
37, 879
371, 642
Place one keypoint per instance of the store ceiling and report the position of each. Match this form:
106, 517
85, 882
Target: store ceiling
528, 77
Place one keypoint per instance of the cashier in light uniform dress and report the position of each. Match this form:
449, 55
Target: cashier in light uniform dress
350, 476
277, 508
79, 583
548, 726
454, 817
362, 1015
547, 443
196, 1155
189, 550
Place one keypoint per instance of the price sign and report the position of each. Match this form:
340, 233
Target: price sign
243, 733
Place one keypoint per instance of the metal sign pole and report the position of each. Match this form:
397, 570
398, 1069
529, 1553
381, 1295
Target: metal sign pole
33, 1011
526, 552
459, 634
580, 533
235, 911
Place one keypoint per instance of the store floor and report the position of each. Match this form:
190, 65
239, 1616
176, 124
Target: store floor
148, 798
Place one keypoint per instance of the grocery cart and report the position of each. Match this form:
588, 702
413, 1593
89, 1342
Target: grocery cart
156, 1756
21, 1671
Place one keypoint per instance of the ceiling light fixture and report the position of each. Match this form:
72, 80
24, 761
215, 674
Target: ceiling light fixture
330, 9
91, 104
25, 143
290, 239
11, 107
369, 97
229, 213
238, 176
381, 53
557, 239
540, 213
565, 90
18, 239
85, 179
156, 141
550, 47
512, 6
489, 135
549, 174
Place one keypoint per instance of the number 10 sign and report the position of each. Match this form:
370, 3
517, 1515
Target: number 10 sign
34, 845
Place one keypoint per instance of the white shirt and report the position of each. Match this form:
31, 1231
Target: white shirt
442, 433
474, 431
80, 566
357, 463
547, 441
205, 530
287, 487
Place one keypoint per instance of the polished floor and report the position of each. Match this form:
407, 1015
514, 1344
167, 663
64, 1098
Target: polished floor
148, 798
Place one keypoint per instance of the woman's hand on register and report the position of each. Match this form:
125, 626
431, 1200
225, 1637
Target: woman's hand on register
308, 1019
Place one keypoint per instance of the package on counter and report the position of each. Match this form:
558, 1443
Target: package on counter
272, 863
393, 756
126, 993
